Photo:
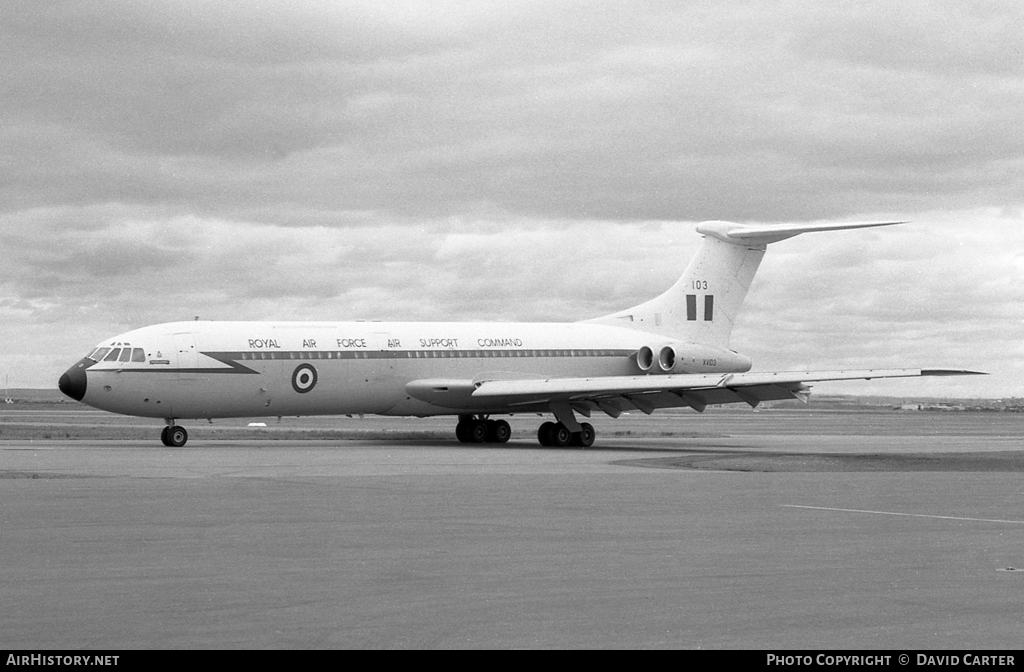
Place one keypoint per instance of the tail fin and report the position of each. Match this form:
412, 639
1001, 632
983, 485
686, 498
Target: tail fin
703, 304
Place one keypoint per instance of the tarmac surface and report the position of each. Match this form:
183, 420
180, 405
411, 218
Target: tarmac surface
773, 530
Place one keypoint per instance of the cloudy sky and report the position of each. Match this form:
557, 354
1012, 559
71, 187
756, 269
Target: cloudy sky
534, 161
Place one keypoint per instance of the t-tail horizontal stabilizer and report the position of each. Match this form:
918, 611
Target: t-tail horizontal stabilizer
764, 234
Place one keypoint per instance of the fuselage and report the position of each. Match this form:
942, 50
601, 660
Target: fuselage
252, 369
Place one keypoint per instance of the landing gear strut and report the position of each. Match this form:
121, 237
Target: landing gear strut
173, 436
555, 434
482, 430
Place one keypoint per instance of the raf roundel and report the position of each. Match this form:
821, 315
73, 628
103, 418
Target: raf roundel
304, 378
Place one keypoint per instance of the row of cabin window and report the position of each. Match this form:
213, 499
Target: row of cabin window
430, 354
118, 355
447, 354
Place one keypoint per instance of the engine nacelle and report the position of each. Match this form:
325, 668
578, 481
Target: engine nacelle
690, 358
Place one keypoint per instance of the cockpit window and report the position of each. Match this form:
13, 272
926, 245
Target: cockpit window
118, 355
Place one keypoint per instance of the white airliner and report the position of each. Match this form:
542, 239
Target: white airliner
672, 351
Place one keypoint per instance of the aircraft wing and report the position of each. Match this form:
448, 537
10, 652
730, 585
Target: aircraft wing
614, 394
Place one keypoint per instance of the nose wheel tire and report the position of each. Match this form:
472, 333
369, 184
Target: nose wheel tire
174, 436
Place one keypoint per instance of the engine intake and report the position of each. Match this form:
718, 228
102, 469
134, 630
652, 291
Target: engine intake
690, 358
667, 358
645, 358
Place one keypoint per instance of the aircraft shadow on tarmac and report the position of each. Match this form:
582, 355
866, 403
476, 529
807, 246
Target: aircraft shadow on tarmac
615, 447
774, 461
711, 456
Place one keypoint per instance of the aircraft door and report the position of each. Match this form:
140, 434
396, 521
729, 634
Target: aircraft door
185, 345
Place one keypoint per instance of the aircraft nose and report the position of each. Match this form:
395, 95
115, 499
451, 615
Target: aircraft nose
73, 383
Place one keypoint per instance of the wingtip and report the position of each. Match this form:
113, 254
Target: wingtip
952, 372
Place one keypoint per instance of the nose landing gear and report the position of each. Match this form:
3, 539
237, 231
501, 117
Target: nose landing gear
173, 436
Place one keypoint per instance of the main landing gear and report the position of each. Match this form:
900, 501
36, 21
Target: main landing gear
476, 429
482, 430
173, 436
557, 435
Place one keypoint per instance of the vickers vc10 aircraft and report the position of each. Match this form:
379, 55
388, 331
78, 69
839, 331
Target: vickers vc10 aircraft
672, 351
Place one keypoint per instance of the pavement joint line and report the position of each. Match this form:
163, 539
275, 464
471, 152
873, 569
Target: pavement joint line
898, 513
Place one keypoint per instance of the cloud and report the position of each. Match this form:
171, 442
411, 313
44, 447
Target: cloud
730, 111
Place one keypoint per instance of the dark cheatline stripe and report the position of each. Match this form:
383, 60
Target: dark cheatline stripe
709, 308
691, 307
